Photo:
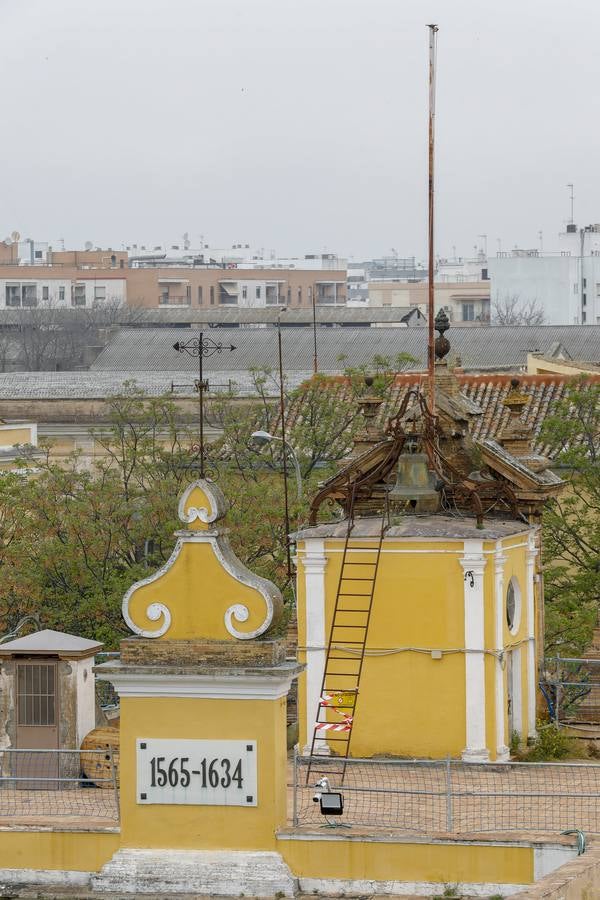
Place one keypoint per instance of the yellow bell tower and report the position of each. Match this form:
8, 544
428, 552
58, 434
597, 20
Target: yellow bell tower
203, 727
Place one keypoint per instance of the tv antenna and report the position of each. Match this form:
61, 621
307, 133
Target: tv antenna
572, 199
88, 245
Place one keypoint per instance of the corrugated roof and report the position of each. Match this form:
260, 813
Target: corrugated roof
480, 349
49, 641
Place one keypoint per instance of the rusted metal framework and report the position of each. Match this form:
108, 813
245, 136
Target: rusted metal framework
366, 478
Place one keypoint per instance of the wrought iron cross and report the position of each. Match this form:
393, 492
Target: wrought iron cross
201, 347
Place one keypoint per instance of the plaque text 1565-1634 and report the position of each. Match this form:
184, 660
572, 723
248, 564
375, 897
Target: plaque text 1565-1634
215, 773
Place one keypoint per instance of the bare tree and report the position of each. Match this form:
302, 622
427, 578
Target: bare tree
511, 309
47, 337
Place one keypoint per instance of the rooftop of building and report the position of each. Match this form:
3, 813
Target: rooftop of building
417, 527
481, 349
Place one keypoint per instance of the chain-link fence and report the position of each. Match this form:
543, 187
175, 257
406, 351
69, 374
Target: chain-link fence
571, 688
426, 796
106, 696
42, 784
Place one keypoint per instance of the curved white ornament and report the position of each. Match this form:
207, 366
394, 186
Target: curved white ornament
218, 503
154, 610
239, 612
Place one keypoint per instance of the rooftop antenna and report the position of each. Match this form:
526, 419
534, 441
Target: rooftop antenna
433, 30
484, 246
541, 239
571, 198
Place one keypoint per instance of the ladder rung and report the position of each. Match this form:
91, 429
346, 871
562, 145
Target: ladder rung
350, 562
348, 594
330, 737
354, 578
342, 625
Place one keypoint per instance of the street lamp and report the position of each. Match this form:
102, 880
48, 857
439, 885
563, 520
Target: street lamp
264, 437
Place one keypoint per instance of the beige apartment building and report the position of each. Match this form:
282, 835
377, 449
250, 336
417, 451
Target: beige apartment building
466, 303
85, 278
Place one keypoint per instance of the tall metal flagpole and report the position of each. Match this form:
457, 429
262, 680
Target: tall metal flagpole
433, 29
284, 448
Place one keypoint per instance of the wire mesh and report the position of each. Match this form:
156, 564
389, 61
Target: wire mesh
42, 784
571, 688
426, 796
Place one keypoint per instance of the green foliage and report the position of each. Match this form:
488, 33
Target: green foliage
515, 743
572, 522
551, 743
75, 537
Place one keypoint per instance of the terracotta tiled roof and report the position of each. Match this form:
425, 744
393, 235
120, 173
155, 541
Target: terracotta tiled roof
488, 392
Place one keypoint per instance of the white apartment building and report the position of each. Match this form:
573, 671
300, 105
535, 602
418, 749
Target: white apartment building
565, 283
60, 290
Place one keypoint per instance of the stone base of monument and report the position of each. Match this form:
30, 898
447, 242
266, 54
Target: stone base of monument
217, 872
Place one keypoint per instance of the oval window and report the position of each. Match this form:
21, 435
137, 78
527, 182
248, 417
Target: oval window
513, 605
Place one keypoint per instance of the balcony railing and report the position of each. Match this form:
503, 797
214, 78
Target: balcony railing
170, 300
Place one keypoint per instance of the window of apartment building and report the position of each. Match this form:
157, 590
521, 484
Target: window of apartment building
28, 295
585, 282
598, 289
13, 294
78, 295
299, 295
212, 295
199, 293
289, 295
468, 312
37, 254
583, 317
61, 293
45, 292
310, 293
113, 260
244, 292
576, 287
484, 275
99, 292
584, 300
257, 293
188, 294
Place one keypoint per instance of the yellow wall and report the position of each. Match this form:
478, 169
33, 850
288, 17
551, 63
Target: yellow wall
76, 851
208, 827
387, 861
411, 704
16, 434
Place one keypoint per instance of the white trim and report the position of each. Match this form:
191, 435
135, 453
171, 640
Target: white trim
218, 504
314, 562
502, 751
232, 566
408, 540
473, 564
517, 690
340, 887
204, 687
531, 662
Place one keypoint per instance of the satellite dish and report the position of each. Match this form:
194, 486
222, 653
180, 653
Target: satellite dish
7, 242
15, 236
88, 245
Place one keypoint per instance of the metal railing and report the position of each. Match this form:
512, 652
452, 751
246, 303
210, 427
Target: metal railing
451, 796
44, 784
571, 688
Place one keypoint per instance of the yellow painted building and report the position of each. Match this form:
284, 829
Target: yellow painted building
420, 610
444, 672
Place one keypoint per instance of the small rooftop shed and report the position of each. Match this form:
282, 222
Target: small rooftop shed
47, 691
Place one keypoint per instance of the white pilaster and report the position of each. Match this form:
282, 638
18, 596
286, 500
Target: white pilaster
531, 661
473, 563
502, 751
314, 562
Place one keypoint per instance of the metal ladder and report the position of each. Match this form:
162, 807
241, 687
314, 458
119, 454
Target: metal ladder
347, 644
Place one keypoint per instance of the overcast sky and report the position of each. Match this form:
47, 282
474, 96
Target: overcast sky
298, 125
